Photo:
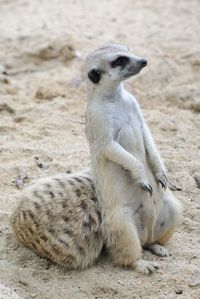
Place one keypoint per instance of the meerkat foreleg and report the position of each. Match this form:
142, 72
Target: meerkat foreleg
117, 154
154, 158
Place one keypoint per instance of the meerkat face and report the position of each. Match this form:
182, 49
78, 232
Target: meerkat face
112, 64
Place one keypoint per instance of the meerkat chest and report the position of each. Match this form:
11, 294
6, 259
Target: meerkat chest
128, 129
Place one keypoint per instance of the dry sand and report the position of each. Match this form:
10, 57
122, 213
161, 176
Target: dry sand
42, 107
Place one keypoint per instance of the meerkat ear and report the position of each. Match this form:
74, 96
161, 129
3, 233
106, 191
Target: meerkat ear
94, 75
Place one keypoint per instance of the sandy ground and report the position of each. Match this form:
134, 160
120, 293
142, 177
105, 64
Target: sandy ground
42, 131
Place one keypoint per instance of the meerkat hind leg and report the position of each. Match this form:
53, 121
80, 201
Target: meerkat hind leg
168, 219
125, 247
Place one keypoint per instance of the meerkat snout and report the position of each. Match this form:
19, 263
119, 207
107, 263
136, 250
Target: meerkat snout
136, 64
144, 62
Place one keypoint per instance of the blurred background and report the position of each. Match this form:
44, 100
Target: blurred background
43, 45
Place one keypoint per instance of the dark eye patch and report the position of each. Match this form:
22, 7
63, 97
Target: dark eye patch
95, 75
120, 61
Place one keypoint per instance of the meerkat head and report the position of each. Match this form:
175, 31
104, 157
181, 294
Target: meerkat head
112, 64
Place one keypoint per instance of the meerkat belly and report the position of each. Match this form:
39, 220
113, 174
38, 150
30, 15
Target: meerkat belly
114, 185
119, 190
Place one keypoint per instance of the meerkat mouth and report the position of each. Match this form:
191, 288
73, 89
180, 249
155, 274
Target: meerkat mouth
134, 70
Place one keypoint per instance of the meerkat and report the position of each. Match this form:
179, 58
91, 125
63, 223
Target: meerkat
59, 218
62, 218
138, 209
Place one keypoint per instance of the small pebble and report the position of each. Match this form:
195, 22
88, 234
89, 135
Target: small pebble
120, 282
179, 291
40, 164
7, 108
20, 181
195, 282
197, 181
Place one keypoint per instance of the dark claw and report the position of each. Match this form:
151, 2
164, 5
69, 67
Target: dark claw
163, 184
147, 188
163, 181
155, 267
150, 189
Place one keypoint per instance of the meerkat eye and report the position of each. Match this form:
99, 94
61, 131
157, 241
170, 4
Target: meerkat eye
120, 61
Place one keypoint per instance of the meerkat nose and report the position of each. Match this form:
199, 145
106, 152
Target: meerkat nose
143, 62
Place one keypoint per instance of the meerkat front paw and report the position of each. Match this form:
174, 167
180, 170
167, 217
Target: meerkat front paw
162, 179
145, 267
158, 249
146, 187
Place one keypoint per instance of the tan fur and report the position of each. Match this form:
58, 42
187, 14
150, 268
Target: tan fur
59, 218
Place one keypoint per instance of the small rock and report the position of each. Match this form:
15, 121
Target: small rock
120, 282
40, 164
19, 119
20, 181
195, 282
7, 108
2, 69
197, 181
4, 80
179, 291
3, 75
68, 171
24, 283
196, 105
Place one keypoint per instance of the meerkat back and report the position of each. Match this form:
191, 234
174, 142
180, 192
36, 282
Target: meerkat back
59, 218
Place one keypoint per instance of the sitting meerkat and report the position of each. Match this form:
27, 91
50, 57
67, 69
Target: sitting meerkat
59, 218
138, 209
